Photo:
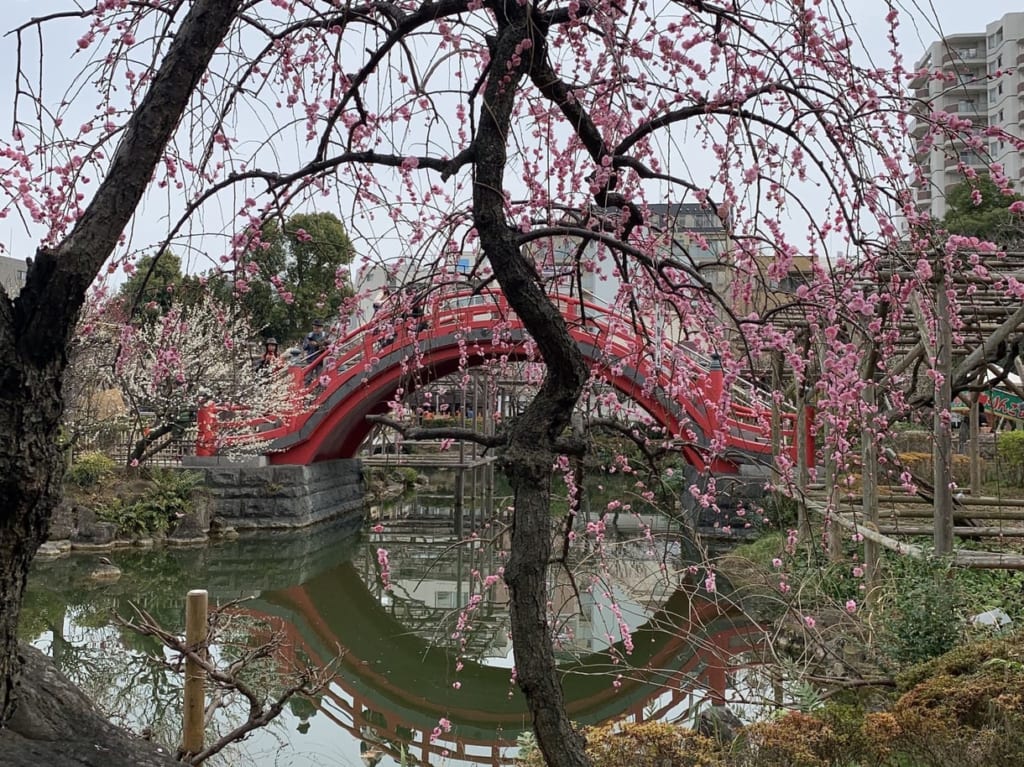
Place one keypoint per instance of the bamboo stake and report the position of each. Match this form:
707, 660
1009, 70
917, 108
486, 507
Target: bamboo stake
974, 425
869, 470
943, 444
195, 676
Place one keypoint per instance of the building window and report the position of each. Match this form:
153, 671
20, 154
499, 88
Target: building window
791, 282
1000, 116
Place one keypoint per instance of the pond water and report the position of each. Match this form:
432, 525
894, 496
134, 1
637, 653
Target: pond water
421, 634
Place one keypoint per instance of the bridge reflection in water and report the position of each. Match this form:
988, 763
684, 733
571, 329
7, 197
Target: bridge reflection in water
406, 666
399, 668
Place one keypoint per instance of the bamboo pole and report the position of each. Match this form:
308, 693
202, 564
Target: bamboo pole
868, 533
196, 606
966, 500
979, 560
802, 478
958, 514
965, 531
974, 450
869, 474
943, 445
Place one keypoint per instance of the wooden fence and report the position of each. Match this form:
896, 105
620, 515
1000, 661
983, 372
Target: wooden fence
116, 441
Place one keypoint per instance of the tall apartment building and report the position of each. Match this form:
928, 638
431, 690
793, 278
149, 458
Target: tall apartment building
985, 83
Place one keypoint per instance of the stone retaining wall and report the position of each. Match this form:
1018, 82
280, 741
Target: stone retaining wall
282, 497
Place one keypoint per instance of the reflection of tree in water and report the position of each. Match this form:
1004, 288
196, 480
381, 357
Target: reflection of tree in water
432, 582
436, 579
132, 679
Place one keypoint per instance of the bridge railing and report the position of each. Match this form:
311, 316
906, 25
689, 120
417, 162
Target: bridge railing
670, 367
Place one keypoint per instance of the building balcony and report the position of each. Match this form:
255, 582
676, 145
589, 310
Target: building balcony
920, 83
970, 85
1020, 58
918, 128
924, 194
963, 55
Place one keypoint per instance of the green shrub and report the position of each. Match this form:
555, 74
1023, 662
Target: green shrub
90, 469
133, 519
169, 498
922, 611
780, 510
1010, 448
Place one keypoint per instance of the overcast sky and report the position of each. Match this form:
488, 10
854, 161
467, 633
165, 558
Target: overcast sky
954, 16
922, 22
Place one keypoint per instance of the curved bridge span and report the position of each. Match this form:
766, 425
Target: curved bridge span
366, 369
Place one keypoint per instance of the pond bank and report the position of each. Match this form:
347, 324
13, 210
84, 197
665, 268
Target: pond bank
214, 503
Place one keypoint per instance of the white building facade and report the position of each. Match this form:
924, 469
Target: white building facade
12, 274
983, 82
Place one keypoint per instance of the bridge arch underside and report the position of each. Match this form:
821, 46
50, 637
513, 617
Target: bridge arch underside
339, 425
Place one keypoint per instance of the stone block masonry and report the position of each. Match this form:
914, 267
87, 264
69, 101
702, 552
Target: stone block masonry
250, 497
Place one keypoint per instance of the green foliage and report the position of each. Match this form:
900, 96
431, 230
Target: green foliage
991, 220
922, 610
780, 510
762, 550
156, 284
132, 519
305, 254
409, 476
988, 589
1010, 448
90, 469
169, 499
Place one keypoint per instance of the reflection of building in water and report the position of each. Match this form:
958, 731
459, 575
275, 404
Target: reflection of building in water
438, 593
438, 586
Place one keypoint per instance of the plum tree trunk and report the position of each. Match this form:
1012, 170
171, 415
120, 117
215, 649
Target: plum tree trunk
30, 474
528, 461
36, 327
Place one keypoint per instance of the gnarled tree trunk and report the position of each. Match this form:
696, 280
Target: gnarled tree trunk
30, 474
529, 458
37, 326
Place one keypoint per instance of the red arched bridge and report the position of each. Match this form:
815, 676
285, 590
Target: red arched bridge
363, 372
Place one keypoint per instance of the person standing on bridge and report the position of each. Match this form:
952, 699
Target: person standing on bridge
382, 298
270, 359
314, 342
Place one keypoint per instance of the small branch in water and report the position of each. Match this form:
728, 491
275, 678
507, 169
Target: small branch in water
306, 680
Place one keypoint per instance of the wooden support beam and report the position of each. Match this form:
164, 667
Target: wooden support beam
980, 560
964, 531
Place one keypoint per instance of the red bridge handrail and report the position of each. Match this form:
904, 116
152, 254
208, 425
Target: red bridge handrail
690, 381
